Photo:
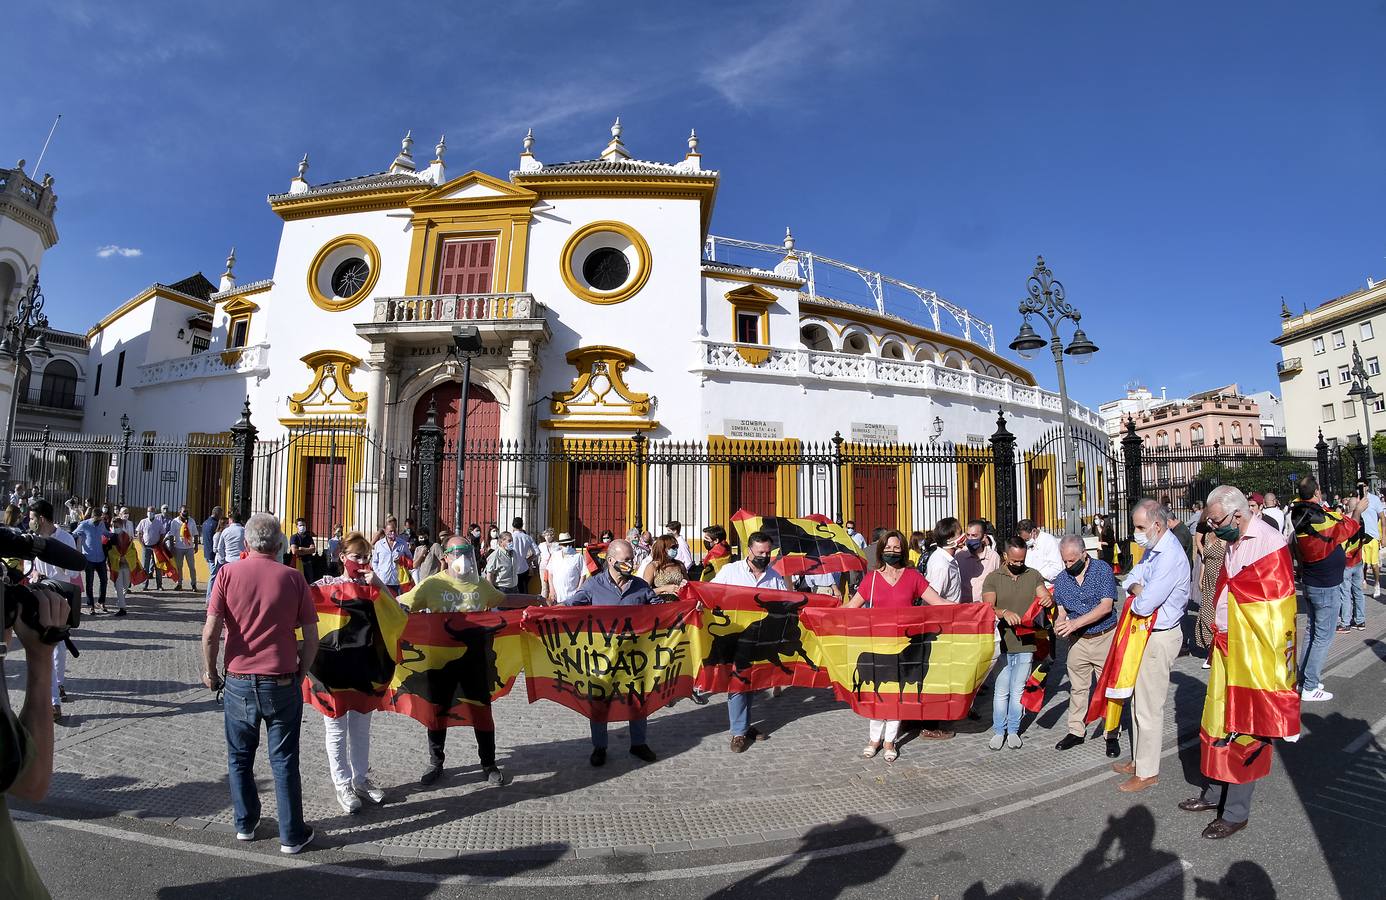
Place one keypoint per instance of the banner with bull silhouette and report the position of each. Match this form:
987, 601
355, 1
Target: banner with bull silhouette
753, 639
612, 663
358, 635
450, 667
808, 546
919, 662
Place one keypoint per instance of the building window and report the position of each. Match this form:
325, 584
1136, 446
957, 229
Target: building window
201, 343
240, 332
1236, 432
1318, 345
147, 461
1344, 374
1162, 441
1196, 436
1379, 405
120, 368
96, 389
1365, 331
467, 267
59, 387
1373, 366
1325, 380
1178, 441
1328, 412
1349, 410
1339, 342
747, 328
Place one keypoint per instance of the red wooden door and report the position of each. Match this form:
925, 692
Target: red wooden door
480, 502
753, 489
465, 267
1039, 487
874, 497
596, 499
323, 490
975, 474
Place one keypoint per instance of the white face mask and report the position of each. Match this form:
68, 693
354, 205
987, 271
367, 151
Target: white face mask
1142, 539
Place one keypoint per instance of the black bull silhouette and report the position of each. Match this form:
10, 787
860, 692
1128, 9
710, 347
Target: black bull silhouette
766, 639
473, 676
353, 657
909, 666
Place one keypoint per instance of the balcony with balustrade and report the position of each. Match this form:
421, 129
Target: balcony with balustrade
1288, 366
429, 318
242, 361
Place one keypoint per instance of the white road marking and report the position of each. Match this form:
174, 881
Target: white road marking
1136, 889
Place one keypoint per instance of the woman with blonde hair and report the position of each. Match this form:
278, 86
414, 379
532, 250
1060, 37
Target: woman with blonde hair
663, 571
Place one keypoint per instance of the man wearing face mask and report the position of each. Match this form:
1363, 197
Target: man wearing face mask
458, 588
1160, 583
976, 560
564, 571
386, 554
616, 585
1085, 596
303, 550
753, 571
1043, 550
854, 579
1318, 545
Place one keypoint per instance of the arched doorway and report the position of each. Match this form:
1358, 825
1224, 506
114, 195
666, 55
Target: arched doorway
482, 467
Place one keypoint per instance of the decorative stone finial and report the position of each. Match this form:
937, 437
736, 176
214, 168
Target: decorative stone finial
1284, 309
788, 240
228, 278
692, 142
230, 261
441, 147
20, 165
404, 162
529, 142
616, 149
616, 129
303, 166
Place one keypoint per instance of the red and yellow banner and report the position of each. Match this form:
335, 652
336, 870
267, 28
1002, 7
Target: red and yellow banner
358, 634
1261, 669
612, 663
1118, 679
450, 667
1223, 755
753, 638
807, 546
921, 662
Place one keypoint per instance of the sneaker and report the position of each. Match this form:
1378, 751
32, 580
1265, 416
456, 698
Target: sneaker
1360, 626
698, 697
1014, 742
1316, 695
368, 789
176, 587
249, 833
347, 799
1343, 629
1207, 664
997, 741
57, 712
495, 776
298, 848
643, 753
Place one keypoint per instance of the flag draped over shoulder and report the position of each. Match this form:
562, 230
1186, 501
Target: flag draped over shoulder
1251, 686
753, 638
807, 546
122, 549
919, 662
450, 667
358, 632
612, 663
1118, 680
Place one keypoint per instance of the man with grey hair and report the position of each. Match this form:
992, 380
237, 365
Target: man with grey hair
1160, 585
1086, 613
259, 602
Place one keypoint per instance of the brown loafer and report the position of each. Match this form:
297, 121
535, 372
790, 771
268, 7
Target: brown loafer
1124, 768
1221, 828
1196, 804
1135, 784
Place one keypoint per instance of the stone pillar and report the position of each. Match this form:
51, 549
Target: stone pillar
517, 493
376, 389
369, 493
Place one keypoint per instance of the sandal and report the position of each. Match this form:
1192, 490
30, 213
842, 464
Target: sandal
870, 751
892, 755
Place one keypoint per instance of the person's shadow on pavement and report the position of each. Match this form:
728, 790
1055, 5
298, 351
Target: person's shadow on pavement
831, 874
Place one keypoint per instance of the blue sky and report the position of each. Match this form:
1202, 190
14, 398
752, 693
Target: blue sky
1180, 165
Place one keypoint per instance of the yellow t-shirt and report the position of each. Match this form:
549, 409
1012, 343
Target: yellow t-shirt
445, 592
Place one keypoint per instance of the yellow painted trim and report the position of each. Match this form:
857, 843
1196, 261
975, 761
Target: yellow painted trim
296, 207
231, 333
503, 217
1049, 509
147, 294
642, 250
350, 444
753, 355
198, 463
756, 301
672, 187
567, 451
599, 424
584, 416
338, 304
337, 364
973, 456
239, 307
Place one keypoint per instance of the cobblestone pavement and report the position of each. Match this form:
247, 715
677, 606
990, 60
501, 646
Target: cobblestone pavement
143, 738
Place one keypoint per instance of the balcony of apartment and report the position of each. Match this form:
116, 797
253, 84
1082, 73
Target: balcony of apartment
427, 319
65, 400
242, 361
1288, 366
899, 374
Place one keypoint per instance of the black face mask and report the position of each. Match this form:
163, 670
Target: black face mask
1077, 568
761, 562
894, 560
708, 542
1017, 570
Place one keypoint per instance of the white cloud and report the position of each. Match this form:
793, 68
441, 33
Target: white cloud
115, 250
820, 36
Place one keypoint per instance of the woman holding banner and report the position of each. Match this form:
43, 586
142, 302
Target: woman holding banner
893, 585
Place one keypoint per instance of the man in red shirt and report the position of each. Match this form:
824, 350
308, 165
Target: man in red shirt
260, 602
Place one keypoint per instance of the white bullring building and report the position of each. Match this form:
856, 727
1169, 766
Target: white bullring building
605, 309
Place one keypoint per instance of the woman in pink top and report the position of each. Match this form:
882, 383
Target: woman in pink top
894, 585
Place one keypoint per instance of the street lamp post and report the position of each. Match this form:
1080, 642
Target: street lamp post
1362, 390
28, 319
1045, 299
466, 343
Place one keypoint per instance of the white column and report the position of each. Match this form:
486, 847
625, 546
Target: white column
517, 497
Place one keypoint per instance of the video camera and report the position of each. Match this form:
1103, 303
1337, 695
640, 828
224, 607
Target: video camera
18, 600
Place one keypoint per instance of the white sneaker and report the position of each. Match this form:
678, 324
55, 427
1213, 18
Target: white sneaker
297, 848
248, 835
366, 788
347, 799
1013, 741
997, 741
1316, 695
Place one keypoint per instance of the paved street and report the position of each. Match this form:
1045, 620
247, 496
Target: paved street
143, 808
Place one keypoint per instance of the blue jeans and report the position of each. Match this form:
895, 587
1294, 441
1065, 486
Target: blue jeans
1353, 608
1324, 603
99, 570
637, 733
247, 704
1005, 699
739, 713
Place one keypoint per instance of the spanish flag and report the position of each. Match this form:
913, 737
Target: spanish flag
807, 546
1118, 680
122, 549
1032, 697
404, 571
753, 639
1225, 755
164, 562
185, 533
451, 666
594, 555
917, 662
359, 629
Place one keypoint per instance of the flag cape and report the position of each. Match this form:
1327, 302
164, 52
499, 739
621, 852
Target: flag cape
451, 666
358, 632
164, 562
1117, 682
1038, 624
917, 662
1223, 755
1261, 671
115, 555
612, 663
807, 546
753, 638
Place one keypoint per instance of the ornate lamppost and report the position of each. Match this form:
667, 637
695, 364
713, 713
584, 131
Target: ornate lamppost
28, 319
1045, 299
1362, 390
466, 344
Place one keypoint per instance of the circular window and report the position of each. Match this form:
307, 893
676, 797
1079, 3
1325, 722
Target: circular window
606, 268
343, 272
605, 262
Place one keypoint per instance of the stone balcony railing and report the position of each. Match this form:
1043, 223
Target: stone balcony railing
457, 308
17, 185
896, 373
252, 360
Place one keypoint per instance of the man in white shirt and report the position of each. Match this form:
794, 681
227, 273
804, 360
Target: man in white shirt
150, 532
526, 553
753, 571
182, 534
1044, 550
942, 571
681, 552
41, 522
564, 571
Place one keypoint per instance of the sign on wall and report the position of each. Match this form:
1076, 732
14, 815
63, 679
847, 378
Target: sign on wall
753, 429
113, 471
872, 433
168, 475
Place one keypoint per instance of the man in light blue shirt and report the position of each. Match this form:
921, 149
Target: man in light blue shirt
1161, 584
385, 556
92, 535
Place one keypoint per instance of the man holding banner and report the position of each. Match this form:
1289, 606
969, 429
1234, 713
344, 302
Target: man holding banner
753, 571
